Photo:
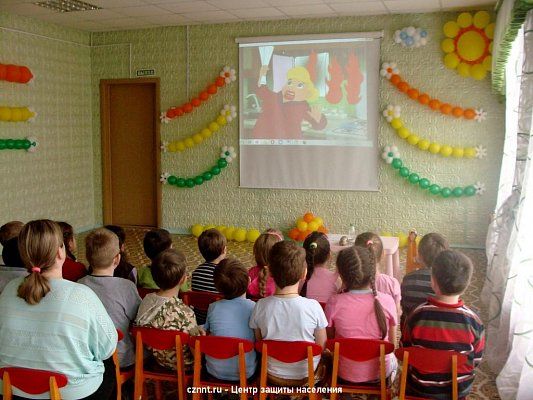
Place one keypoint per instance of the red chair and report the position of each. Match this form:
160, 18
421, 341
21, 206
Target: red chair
429, 361
121, 376
32, 381
221, 348
360, 350
323, 305
200, 300
144, 291
287, 352
159, 339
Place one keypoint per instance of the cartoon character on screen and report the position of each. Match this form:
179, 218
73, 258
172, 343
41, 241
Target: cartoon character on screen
283, 112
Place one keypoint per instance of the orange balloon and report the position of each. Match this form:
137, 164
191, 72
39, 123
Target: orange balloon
308, 217
293, 233
469, 113
457, 112
423, 99
446, 108
395, 79
323, 229
403, 86
434, 104
413, 93
302, 236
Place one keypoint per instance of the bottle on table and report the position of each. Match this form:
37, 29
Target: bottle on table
351, 233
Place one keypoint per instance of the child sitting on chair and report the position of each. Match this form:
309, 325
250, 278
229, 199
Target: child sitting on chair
72, 269
154, 242
261, 283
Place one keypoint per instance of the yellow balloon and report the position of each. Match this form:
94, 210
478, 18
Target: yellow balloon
240, 235
301, 225
396, 123
206, 133
464, 20
489, 31
172, 147
487, 63
229, 232
252, 235
434, 148
402, 239
471, 46
403, 133
197, 138
478, 72
16, 115
221, 120
213, 126
26, 113
197, 230
386, 234
451, 29
189, 142
481, 19
319, 221
209, 227
424, 144
413, 139
446, 151
463, 69
458, 152
470, 152
180, 146
312, 226
5, 114
451, 61
220, 228
447, 45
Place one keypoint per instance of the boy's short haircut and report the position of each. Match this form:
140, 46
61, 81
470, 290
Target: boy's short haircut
430, 247
231, 278
101, 247
452, 271
156, 241
211, 244
286, 263
9, 231
168, 267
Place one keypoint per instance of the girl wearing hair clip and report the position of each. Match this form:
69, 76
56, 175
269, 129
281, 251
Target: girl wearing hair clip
261, 283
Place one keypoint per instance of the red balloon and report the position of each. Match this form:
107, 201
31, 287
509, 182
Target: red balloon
171, 113
187, 107
25, 75
220, 81
179, 112
196, 102
203, 96
13, 73
212, 89
3, 72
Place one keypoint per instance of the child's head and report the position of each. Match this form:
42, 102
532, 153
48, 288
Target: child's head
121, 234
287, 263
451, 272
299, 86
231, 278
371, 240
156, 241
41, 248
357, 269
317, 252
431, 245
262, 247
212, 244
10, 230
68, 238
102, 249
168, 269
11, 254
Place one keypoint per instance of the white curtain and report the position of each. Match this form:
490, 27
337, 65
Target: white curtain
508, 290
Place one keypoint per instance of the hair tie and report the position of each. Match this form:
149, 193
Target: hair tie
36, 269
275, 234
369, 243
313, 245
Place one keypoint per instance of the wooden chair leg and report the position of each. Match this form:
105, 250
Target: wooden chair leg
158, 391
54, 390
6, 386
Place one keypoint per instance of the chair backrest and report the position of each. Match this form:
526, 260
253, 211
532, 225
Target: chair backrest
359, 349
33, 381
288, 352
431, 361
200, 300
144, 291
120, 335
323, 305
159, 339
220, 347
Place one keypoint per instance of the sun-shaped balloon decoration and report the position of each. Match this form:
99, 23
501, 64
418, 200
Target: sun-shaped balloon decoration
468, 44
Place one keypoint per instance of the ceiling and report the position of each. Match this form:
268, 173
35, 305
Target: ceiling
138, 14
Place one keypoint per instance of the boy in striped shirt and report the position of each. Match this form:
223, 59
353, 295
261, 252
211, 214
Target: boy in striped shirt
445, 323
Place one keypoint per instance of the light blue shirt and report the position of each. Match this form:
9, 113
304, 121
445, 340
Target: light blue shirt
230, 318
68, 331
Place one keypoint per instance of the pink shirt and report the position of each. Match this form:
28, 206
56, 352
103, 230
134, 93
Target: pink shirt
389, 285
253, 286
322, 285
352, 315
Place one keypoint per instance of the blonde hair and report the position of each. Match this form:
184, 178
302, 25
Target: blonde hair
39, 242
262, 247
101, 247
302, 74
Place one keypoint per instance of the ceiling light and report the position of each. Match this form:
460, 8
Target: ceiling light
67, 5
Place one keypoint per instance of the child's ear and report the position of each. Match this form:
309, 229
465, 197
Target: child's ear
116, 260
304, 274
182, 280
225, 250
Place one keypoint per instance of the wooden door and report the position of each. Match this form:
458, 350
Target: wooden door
130, 151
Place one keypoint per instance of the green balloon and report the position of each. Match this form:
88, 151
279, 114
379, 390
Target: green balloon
2, 144
470, 191
215, 170
222, 163
180, 182
424, 183
397, 163
404, 172
414, 178
446, 192
434, 189
198, 180
189, 183
19, 144
457, 192
10, 144
27, 144
172, 180
207, 176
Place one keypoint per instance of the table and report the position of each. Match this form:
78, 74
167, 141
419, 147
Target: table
391, 253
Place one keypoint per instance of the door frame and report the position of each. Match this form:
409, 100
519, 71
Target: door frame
105, 120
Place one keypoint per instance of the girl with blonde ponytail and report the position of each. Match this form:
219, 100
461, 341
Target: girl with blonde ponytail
361, 312
261, 283
53, 324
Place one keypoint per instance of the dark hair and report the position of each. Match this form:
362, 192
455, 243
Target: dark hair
156, 241
211, 244
262, 247
357, 269
68, 236
11, 254
10, 230
431, 245
39, 242
287, 263
317, 250
364, 240
119, 231
231, 278
168, 267
452, 271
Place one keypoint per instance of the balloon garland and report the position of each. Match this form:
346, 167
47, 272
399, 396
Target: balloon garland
392, 115
392, 157
468, 44
227, 114
226, 76
411, 37
230, 232
15, 73
305, 225
227, 155
29, 144
17, 114
391, 73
